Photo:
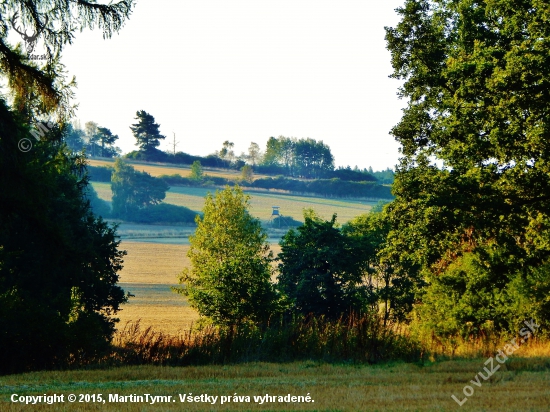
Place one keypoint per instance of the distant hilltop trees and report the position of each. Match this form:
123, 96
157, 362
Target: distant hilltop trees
287, 157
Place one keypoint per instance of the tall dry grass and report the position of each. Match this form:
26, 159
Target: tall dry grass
362, 339
355, 339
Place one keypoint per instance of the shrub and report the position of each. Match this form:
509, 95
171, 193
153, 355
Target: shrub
163, 213
362, 338
100, 173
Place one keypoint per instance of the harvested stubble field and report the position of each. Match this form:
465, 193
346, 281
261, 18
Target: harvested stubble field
149, 271
520, 385
163, 169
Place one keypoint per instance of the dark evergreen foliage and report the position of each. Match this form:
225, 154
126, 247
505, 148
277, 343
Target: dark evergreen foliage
58, 261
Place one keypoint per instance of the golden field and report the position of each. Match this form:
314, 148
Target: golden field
149, 271
164, 169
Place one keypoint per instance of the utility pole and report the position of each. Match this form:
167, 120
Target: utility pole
174, 144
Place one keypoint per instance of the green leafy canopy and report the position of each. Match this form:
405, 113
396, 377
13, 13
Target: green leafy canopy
229, 281
474, 179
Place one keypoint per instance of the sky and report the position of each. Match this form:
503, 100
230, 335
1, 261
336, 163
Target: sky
245, 70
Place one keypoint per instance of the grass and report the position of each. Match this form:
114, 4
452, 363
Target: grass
261, 202
520, 385
164, 169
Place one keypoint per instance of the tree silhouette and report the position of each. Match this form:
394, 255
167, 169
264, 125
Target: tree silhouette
146, 131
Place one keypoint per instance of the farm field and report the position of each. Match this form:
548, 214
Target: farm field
150, 269
162, 169
261, 202
520, 385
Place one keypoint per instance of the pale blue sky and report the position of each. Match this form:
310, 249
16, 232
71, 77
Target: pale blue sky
245, 70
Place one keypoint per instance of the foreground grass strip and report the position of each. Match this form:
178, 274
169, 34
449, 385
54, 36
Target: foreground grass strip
523, 385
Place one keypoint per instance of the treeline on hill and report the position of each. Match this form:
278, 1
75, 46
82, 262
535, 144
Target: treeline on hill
289, 157
324, 187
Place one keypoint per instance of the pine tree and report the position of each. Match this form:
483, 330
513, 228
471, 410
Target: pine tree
146, 131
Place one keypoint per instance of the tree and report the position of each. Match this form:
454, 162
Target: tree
134, 190
247, 174
227, 152
146, 131
390, 288
197, 173
475, 174
321, 271
92, 136
313, 159
287, 154
229, 281
254, 153
299, 157
73, 137
272, 152
106, 137
58, 262
54, 22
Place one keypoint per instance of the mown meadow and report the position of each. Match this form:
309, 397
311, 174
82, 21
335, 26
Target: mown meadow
520, 385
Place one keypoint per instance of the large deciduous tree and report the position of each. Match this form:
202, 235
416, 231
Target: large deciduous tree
229, 281
472, 205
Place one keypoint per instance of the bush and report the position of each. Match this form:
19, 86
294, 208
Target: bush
100, 173
163, 213
99, 206
352, 175
178, 180
325, 187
